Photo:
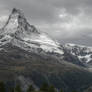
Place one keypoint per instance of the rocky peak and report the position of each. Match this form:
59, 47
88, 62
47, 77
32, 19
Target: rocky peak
15, 17
17, 11
17, 23
18, 16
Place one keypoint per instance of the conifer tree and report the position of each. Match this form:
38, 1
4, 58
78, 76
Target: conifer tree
44, 87
73, 91
11, 89
30, 89
61, 90
2, 87
18, 89
51, 89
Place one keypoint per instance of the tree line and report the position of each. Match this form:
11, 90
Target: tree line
44, 88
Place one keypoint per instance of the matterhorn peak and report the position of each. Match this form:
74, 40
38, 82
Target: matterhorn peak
15, 10
17, 14
18, 23
16, 17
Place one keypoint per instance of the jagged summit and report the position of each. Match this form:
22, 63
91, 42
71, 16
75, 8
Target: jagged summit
18, 11
17, 22
15, 16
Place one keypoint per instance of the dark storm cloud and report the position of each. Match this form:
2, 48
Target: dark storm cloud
46, 9
65, 20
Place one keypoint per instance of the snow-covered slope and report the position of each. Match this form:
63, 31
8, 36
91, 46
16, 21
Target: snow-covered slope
20, 33
83, 53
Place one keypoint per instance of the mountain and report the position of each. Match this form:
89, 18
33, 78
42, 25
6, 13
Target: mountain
30, 56
82, 53
20, 33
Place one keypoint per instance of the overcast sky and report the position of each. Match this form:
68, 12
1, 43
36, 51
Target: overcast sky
65, 20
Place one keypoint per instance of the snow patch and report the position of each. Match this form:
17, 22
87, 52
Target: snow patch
83, 53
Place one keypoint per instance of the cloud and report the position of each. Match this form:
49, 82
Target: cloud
71, 24
64, 20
